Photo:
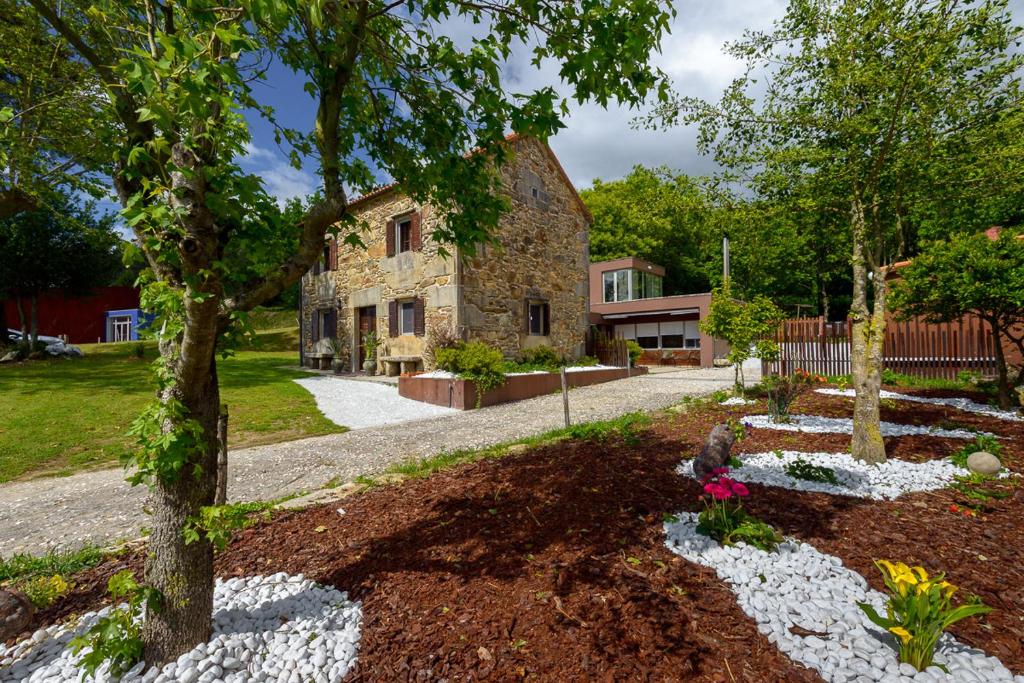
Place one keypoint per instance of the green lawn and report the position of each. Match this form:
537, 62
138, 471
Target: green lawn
62, 416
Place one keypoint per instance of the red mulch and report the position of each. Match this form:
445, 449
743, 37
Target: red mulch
551, 565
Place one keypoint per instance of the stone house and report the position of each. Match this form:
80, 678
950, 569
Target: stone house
528, 290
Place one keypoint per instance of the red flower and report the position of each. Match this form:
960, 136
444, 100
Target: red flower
740, 489
717, 491
954, 508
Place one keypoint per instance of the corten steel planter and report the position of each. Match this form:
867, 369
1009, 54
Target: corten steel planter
461, 394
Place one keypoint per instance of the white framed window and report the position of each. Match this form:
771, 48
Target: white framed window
609, 286
406, 317
629, 284
403, 235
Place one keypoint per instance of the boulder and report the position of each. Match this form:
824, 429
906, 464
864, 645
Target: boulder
16, 614
984, 462
10, 357
715, 452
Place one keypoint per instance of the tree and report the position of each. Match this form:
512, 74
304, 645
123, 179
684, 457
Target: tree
746, 327
655, 215
393, 91
62, 246
47, 99
970, 275
864, 98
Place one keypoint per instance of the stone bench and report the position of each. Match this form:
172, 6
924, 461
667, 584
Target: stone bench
319, 361
395, 365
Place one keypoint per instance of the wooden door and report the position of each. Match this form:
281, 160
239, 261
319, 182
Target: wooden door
367, 324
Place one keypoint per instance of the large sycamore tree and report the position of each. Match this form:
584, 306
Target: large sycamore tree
393, 90
864, 97
976, 275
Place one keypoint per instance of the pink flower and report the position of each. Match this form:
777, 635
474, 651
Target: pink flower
717, 491
739, 489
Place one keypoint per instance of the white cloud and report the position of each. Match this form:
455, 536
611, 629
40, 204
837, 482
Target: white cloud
280, 179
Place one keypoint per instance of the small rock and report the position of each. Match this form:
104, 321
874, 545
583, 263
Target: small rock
984, 463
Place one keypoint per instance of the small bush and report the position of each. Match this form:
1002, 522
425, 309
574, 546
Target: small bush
782, 391
139, 350
635, 351
43, 591
919, 609
544, 356
441, 334
983, 442
475, 361
801, 469
724, 519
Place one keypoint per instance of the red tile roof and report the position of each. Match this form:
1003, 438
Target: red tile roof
510, 138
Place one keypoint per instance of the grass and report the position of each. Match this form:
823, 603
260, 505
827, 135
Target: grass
63, 416
21, 567
625, 427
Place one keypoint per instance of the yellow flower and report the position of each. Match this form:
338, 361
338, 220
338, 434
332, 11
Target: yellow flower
903, 634
948, 587
922, 573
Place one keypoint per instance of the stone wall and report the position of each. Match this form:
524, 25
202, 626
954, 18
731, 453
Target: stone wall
367, 276
543, 255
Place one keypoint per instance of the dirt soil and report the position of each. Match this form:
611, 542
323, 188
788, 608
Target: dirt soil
551, 565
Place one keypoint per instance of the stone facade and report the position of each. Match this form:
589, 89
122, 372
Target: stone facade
541, 258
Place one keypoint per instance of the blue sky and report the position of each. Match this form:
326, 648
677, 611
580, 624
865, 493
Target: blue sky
597, 142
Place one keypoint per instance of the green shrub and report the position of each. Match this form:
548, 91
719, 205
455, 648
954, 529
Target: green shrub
475, 361
983, 442
544, 356
635, 351
43, 591
801, 469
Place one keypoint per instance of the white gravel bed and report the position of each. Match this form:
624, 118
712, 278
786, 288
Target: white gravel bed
817, 424
436, 374
799, 586
964, 404
586, 368
736, 401
265, 628
856, 478
358, 404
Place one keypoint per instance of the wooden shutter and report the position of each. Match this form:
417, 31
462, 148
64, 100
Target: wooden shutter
526, 316
334, 254
415, 238
332, 323
546, 329
390, 229
393, 317
418, 322
315, 320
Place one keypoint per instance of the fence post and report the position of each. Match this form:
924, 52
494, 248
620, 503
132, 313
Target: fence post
565, 397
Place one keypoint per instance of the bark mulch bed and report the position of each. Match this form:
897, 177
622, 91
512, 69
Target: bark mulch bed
551, 565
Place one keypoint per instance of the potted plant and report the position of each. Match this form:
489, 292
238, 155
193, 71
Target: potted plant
337, 365
371, 342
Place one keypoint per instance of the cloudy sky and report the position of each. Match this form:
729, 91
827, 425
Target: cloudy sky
597, 142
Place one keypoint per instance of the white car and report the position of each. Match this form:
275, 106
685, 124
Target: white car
16, 336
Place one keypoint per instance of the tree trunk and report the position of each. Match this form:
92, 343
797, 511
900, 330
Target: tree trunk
866, 339
183, 573
4, 336
1003, 374
34, 322
21, 319
222, 457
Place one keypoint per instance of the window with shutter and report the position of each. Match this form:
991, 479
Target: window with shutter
418, 321
415, 235
539, 319
393, 318
389, 237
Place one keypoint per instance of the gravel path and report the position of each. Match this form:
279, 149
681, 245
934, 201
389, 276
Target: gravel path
99, 507
358, 405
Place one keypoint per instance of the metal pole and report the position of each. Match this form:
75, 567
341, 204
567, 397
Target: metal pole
565, 397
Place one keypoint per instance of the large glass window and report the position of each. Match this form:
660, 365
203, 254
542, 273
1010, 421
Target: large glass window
672, 335
647, 335
668, 335
629, 284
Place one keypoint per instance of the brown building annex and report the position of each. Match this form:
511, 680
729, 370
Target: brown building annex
627, 300
529, 290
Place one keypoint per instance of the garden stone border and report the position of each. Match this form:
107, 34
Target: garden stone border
817, 424
964, 404
265, 628
800, 586
884, 481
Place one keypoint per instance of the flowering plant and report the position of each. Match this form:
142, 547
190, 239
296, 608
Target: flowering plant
724, 518
919, 609
782, 391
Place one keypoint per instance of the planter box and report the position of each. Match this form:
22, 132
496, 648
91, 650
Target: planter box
461, 394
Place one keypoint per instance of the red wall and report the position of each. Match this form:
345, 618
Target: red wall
81, 318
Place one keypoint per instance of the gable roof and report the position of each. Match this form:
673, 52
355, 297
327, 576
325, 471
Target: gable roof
509, 139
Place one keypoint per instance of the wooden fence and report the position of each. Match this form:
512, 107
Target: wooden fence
913, 347
607, 349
